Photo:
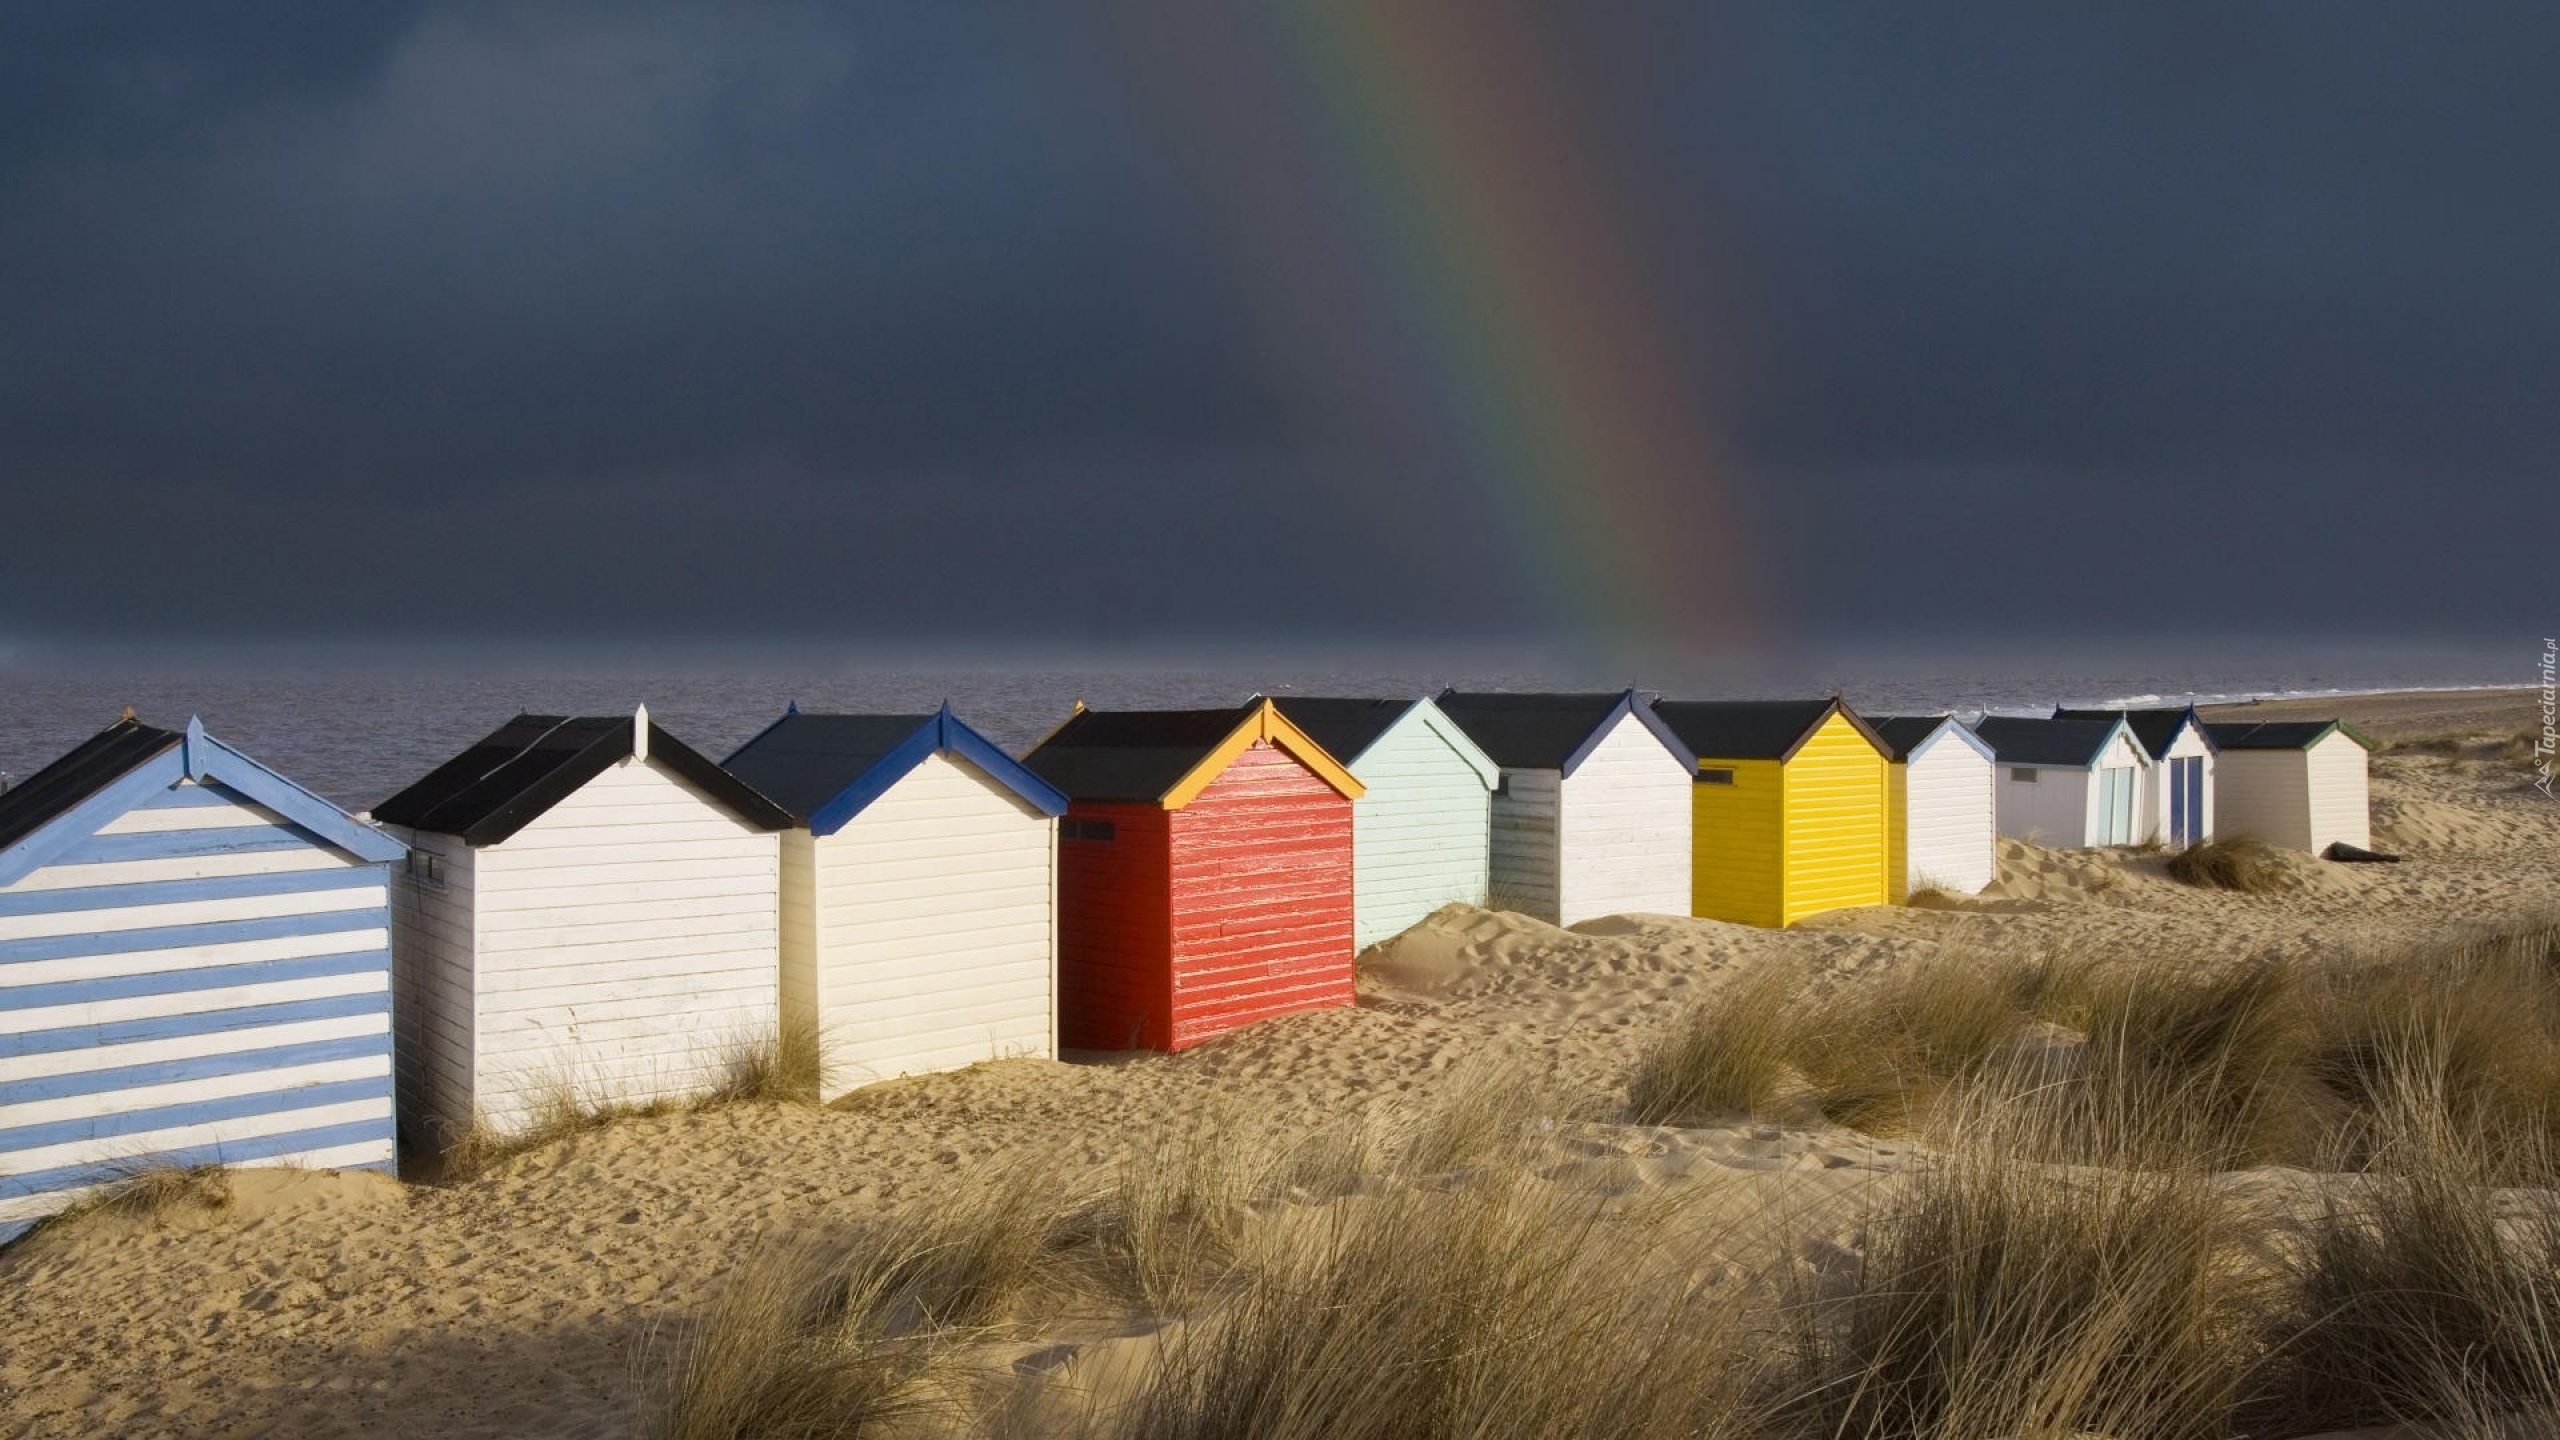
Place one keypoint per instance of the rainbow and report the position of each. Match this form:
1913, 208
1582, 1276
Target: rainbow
1428, 166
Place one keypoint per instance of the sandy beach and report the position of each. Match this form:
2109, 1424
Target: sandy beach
514, 1304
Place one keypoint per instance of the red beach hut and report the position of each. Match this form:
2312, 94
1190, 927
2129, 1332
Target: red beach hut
1204, 874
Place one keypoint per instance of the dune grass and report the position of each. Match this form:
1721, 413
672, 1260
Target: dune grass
2000, 1296
2237, 863
781, 1068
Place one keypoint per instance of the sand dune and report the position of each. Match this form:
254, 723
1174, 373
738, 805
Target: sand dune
512, 1305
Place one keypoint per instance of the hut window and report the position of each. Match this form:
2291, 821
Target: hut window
427, 868
1088, 830
2023, 774
1715, 777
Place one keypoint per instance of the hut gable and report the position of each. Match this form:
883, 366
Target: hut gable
1791, 805
1943, 823
919, 919
519, 771
1420, 836
1583, 819
2178, 791
2067, 782
2300, 784
194, 957
1205, 873
598, 916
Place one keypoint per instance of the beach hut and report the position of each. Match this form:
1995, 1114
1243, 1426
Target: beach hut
1788, 807
1591, 815
2175, 805
919, 893
2066, 782
2296, 783
589, 913
1420, 837
1204, 873
1944, 825
195, 968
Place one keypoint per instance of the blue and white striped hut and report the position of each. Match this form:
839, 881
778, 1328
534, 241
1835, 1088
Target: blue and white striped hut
195, 967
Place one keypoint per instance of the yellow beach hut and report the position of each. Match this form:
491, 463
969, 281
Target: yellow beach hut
1790, 807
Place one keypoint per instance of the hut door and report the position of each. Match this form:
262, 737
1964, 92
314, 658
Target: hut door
2186, 800
2117, 787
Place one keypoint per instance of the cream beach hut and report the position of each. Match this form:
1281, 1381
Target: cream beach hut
919, 893
2067, 782
590, 911
1945, 822
2300, 784
1420, 837
195, 969
1591, 815
2176, 807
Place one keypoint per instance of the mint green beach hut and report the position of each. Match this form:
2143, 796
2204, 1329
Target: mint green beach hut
1421, 836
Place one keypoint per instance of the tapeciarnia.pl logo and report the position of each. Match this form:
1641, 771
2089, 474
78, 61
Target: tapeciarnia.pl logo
2550, 741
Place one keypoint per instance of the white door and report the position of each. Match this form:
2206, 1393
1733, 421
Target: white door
2116, 786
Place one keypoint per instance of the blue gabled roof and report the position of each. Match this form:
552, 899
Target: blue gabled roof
128, 762
826, 769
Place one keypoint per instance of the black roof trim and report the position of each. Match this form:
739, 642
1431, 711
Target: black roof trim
1130, 757
89, 767
2028, 740
1346, 728
515, 774
1755, 729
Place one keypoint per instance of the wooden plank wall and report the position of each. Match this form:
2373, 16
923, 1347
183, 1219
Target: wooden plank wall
199, 981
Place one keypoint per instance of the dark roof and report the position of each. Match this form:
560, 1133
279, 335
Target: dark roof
1752, 729
1547, 731
533, 762
91, 766
803, 761
2025, 740
2280, 734
1902, 734
2155, 730
1345, 728
826, 769
1130, 756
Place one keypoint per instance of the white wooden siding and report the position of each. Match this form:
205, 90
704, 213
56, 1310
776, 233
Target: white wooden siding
627, 943
1623, 828
2299, 799
934, 912
1951, 828
1420, 837
433, 1012
2341, 803
2051, 809
1523, 844
2266, 796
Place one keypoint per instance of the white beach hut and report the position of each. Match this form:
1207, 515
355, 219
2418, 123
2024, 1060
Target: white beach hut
2175, 806
194, 969
919, 893
2067, 782
1945, 823
591, 910
1421, 836
2301, 784
1592, 813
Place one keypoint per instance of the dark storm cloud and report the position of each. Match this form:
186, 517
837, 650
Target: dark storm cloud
869, 320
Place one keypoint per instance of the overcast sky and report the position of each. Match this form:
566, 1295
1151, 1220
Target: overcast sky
902, 321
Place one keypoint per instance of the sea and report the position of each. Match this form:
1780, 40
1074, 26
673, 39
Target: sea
359, 722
